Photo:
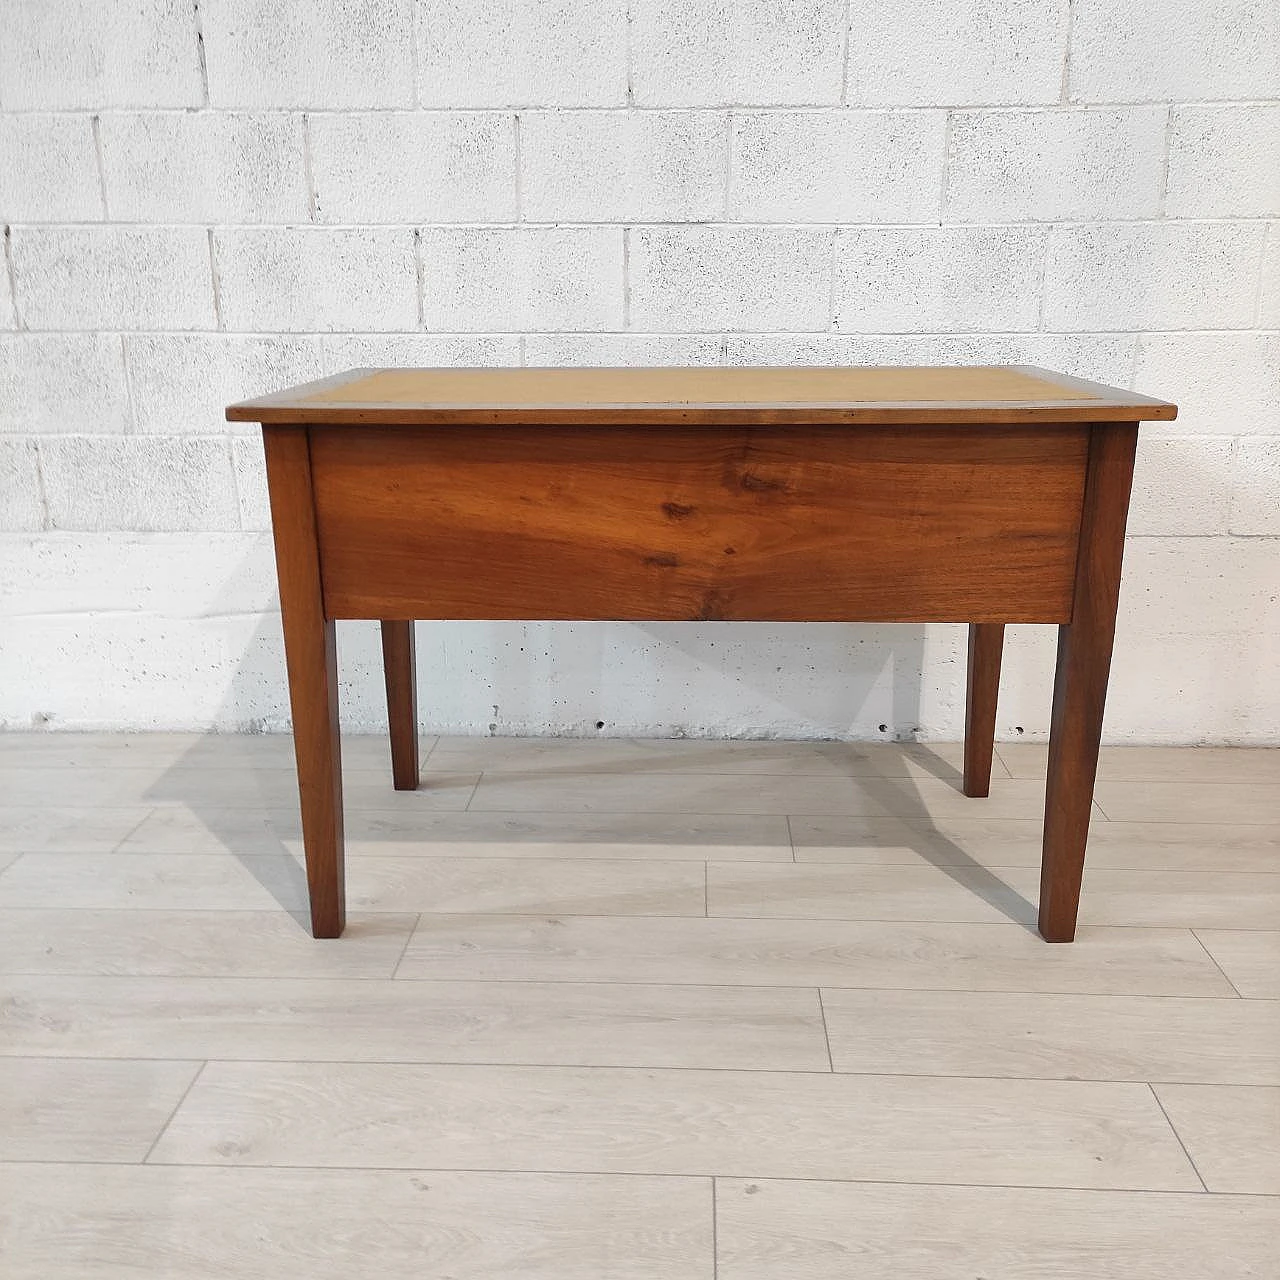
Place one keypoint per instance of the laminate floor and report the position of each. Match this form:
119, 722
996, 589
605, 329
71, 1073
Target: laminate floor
615, 1009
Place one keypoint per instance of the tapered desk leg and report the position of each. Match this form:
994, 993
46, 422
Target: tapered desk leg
311, 658
1080, 685
986, 647
400, 672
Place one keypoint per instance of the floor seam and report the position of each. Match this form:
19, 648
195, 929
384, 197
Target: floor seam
1173, 1128
177, 1107
826, 1032
413, 928
1226, 976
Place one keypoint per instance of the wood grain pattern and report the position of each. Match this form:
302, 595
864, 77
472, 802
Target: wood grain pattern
834, 1231
87, 1222
737, 1123
311, 658
1232, 1132
243, 944
291, 1020
400, 673
828, 953
808, 525
1080, 682
682, 396
1052, 1036
1250, 959
986, 648
69, 1109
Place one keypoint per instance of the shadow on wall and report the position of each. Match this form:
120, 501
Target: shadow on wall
236, 794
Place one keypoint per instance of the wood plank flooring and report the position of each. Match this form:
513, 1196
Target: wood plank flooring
611, 1009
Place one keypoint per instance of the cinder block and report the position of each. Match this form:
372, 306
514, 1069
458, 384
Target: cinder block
1200, 586
1172, 275
8, 316
1222, 383
921, 53
1255, 489
1138, 50
510, 53
392, 166
1181, 486
298, 279
539, 278
895, 280
689, 279
73, 54
1224, 162
172, 575
714, 53
21, 497
614, 166
1100, 357
308, 53
48, 171
613, 349
183, 383
204, 166
1269, 292
250, 468
62, 382
837, 166
140, 483
113, 277
417, 350
1011, 166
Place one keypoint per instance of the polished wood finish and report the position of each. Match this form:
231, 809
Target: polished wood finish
399, 667
708, 396
1080, 683
311, 658
819, 524
978, 495
986, 648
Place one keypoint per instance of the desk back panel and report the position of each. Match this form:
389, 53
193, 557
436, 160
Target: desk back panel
866, 524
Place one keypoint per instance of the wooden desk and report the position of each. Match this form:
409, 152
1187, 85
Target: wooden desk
978, 495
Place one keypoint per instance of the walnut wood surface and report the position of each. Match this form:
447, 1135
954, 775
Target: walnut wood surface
399, 669
679, 396
813, 524
1080, 683
986, 648
311, 658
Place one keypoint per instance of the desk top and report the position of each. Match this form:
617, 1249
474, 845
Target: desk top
997, 394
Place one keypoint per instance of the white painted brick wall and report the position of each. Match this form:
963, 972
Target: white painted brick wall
1224, 162
916, 53
686, 278
113, 277
308, 53
511, 53
312, 278
1138, 50
204, 167
522, 278
896, 280
1255, 502
48, 169
64, 55
711, 53
611, 166
837, 166
1047, 166
397, 167
206, 199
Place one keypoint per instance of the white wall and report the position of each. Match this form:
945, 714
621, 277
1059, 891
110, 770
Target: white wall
209, 200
